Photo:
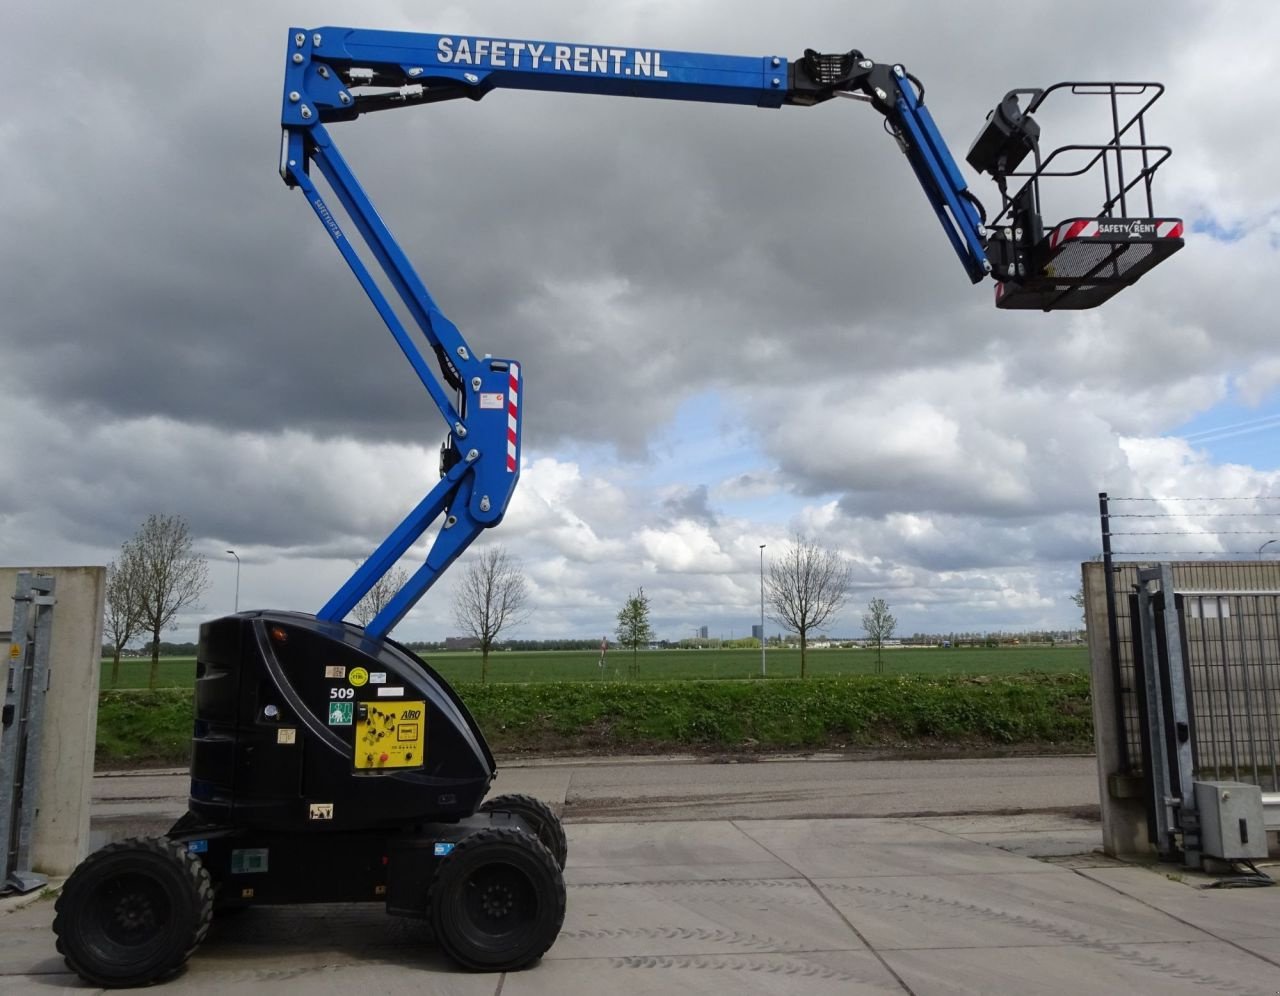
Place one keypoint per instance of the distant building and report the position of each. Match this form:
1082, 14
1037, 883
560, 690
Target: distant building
757, 632
461, 643
702, 633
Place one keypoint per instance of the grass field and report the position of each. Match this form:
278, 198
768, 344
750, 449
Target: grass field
1043, 712
674, 665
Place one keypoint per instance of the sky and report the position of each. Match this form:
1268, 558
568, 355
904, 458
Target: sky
735, 325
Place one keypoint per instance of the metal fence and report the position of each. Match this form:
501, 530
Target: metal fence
1230, 626
1231, 645
1228, 599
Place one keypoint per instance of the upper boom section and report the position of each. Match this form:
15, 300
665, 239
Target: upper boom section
467, 65
336, 74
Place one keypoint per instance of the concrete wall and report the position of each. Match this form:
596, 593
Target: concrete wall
61, 832
1124, 817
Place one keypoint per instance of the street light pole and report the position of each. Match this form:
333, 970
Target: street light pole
1264, 546
762, 663
237, 556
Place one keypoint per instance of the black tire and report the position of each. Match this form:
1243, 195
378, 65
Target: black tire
538, 815
132, 913
497, 900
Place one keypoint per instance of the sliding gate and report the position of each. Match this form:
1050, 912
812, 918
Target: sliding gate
1206, 686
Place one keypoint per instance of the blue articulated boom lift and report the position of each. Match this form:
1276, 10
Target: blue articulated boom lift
329, 763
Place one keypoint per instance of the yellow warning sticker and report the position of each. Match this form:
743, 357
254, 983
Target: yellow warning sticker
286, 735
390, 735
15, 650
358, 676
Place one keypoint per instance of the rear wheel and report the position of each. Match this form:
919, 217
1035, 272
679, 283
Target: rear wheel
497, 900
132, 913
546, 825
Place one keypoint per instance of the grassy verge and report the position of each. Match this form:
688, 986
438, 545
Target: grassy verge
540, 666
1032, 710
144, 729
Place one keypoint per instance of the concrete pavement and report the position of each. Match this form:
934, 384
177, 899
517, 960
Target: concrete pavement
977, 903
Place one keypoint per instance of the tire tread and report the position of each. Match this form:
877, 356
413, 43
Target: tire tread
540, 852
191, 870
556, 841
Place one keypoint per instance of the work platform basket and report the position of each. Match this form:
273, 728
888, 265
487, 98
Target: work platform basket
1084, 260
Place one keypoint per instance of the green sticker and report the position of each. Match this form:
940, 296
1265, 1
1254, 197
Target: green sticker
340, 713
247, 861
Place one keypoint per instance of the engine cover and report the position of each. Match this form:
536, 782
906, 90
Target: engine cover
303, 724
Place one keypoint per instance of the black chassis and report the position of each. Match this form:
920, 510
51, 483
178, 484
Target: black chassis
391, 865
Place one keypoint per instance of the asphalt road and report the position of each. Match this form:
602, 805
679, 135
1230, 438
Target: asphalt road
645, 789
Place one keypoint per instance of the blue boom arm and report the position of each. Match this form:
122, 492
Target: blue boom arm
335, 74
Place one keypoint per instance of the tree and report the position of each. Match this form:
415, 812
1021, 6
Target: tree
805, 587
491, 595
377, 597
1078, 598
170, 576
634, 628
123, 616
879, 625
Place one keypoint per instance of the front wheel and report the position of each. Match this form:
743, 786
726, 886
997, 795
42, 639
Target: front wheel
132, 913
546, 825
497, 900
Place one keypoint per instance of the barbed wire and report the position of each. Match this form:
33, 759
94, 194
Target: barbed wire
1197, 533
1188, 532
1225, 498
1193, 515
1251, 554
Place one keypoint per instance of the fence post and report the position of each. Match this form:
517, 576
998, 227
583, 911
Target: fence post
1124, 766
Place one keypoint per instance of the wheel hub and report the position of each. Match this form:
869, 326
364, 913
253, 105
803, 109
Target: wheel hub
134, 912
496, 901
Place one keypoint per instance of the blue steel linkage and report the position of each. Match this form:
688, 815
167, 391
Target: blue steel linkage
476, 492
940, 177
323, 64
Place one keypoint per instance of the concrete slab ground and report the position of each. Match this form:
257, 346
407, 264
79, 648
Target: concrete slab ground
926, 906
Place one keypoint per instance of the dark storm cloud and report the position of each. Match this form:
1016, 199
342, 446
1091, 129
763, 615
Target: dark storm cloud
165, 270
690, 503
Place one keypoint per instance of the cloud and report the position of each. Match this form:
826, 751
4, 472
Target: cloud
179, 335
689, 503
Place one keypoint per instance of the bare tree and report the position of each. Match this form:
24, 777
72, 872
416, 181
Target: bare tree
491, 595
879, 625
805, 588
170, 576
377, 597
1078, 598
123, 616
634, 628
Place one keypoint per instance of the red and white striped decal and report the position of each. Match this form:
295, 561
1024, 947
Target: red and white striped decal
513, 411
1081, 228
